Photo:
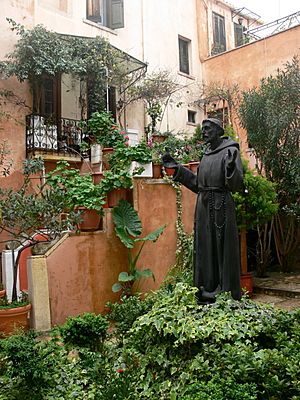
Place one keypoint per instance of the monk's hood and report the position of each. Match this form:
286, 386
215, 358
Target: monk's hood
226, 142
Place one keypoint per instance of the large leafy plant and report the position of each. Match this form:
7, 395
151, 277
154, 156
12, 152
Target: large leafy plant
31, 210
79, 190
103, 128
270, 114
128, 228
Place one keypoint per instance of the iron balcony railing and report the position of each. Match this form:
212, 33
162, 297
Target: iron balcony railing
54, 135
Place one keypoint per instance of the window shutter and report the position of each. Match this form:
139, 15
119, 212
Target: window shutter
93, 10
219, 34
115, 11
238, 34
184, 56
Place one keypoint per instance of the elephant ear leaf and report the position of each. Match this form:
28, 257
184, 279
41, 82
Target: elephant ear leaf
125, 239
153, 236
126, 218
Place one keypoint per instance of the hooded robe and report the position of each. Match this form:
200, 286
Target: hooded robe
216, 242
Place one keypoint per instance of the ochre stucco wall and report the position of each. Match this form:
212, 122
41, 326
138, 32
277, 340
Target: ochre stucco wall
248, 64
83, 268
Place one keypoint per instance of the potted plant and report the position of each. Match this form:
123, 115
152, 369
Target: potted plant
116, 186
255, 205
29, 216
102, 129
81, 194
128, 228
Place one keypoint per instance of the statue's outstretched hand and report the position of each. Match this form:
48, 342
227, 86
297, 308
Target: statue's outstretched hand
231, 157
168, 161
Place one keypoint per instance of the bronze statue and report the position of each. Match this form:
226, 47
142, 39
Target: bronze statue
216, 243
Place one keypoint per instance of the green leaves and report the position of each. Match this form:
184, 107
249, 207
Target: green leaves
273, 128
127, 222
128, 227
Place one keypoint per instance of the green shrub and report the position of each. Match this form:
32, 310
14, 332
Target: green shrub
178, 344
125, 313
26, 366
87, 330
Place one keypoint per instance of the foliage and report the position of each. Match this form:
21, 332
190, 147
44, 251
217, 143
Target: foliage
128, 228
29, 210
223, 347
270, 115
155, 90
40, 52
5, 163
174, 349
125, 313
115, 180
123, 156
78, 190
103, 128
26, 366
256, 204
182, 148
86, 330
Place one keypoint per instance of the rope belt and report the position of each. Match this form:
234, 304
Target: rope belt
212, 206
212, 189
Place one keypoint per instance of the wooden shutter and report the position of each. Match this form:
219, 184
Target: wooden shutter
238, 35
219, 33
115, 14
93, 11
184, 56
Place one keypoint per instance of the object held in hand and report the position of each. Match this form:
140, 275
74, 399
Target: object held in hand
168, 161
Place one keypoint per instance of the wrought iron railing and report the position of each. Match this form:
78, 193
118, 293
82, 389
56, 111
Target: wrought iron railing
54, 135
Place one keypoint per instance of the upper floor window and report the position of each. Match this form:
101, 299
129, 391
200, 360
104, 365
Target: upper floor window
108, 13
219, 44
184, 62
238, 34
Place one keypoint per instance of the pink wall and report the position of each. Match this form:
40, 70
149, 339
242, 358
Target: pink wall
84, 267
248, 64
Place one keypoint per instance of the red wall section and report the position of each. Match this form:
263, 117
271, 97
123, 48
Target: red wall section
83, 268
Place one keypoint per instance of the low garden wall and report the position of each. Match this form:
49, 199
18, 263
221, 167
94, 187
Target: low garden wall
81, 268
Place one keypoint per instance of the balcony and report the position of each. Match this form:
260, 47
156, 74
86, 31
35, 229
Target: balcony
54, 138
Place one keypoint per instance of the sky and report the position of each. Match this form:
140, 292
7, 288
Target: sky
269, 10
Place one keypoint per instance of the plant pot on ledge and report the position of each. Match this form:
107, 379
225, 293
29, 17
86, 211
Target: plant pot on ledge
106, 151
193, 166
157, 170
116, 195
158, 138
2, 293
91, 220
12, 319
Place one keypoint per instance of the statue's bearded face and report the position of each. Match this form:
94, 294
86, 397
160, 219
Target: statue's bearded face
210, 132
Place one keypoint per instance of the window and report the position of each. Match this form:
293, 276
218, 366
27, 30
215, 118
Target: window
219, 44
191, 117
108, 13
46, 97
184, 65
238, 35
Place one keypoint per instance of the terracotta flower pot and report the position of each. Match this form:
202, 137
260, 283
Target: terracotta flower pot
12, 319
97, 177
169, 171
157, 170
247, 282
187, 165
116, 195
193, 165
2, 293
91, 220
106, 151
158, 138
